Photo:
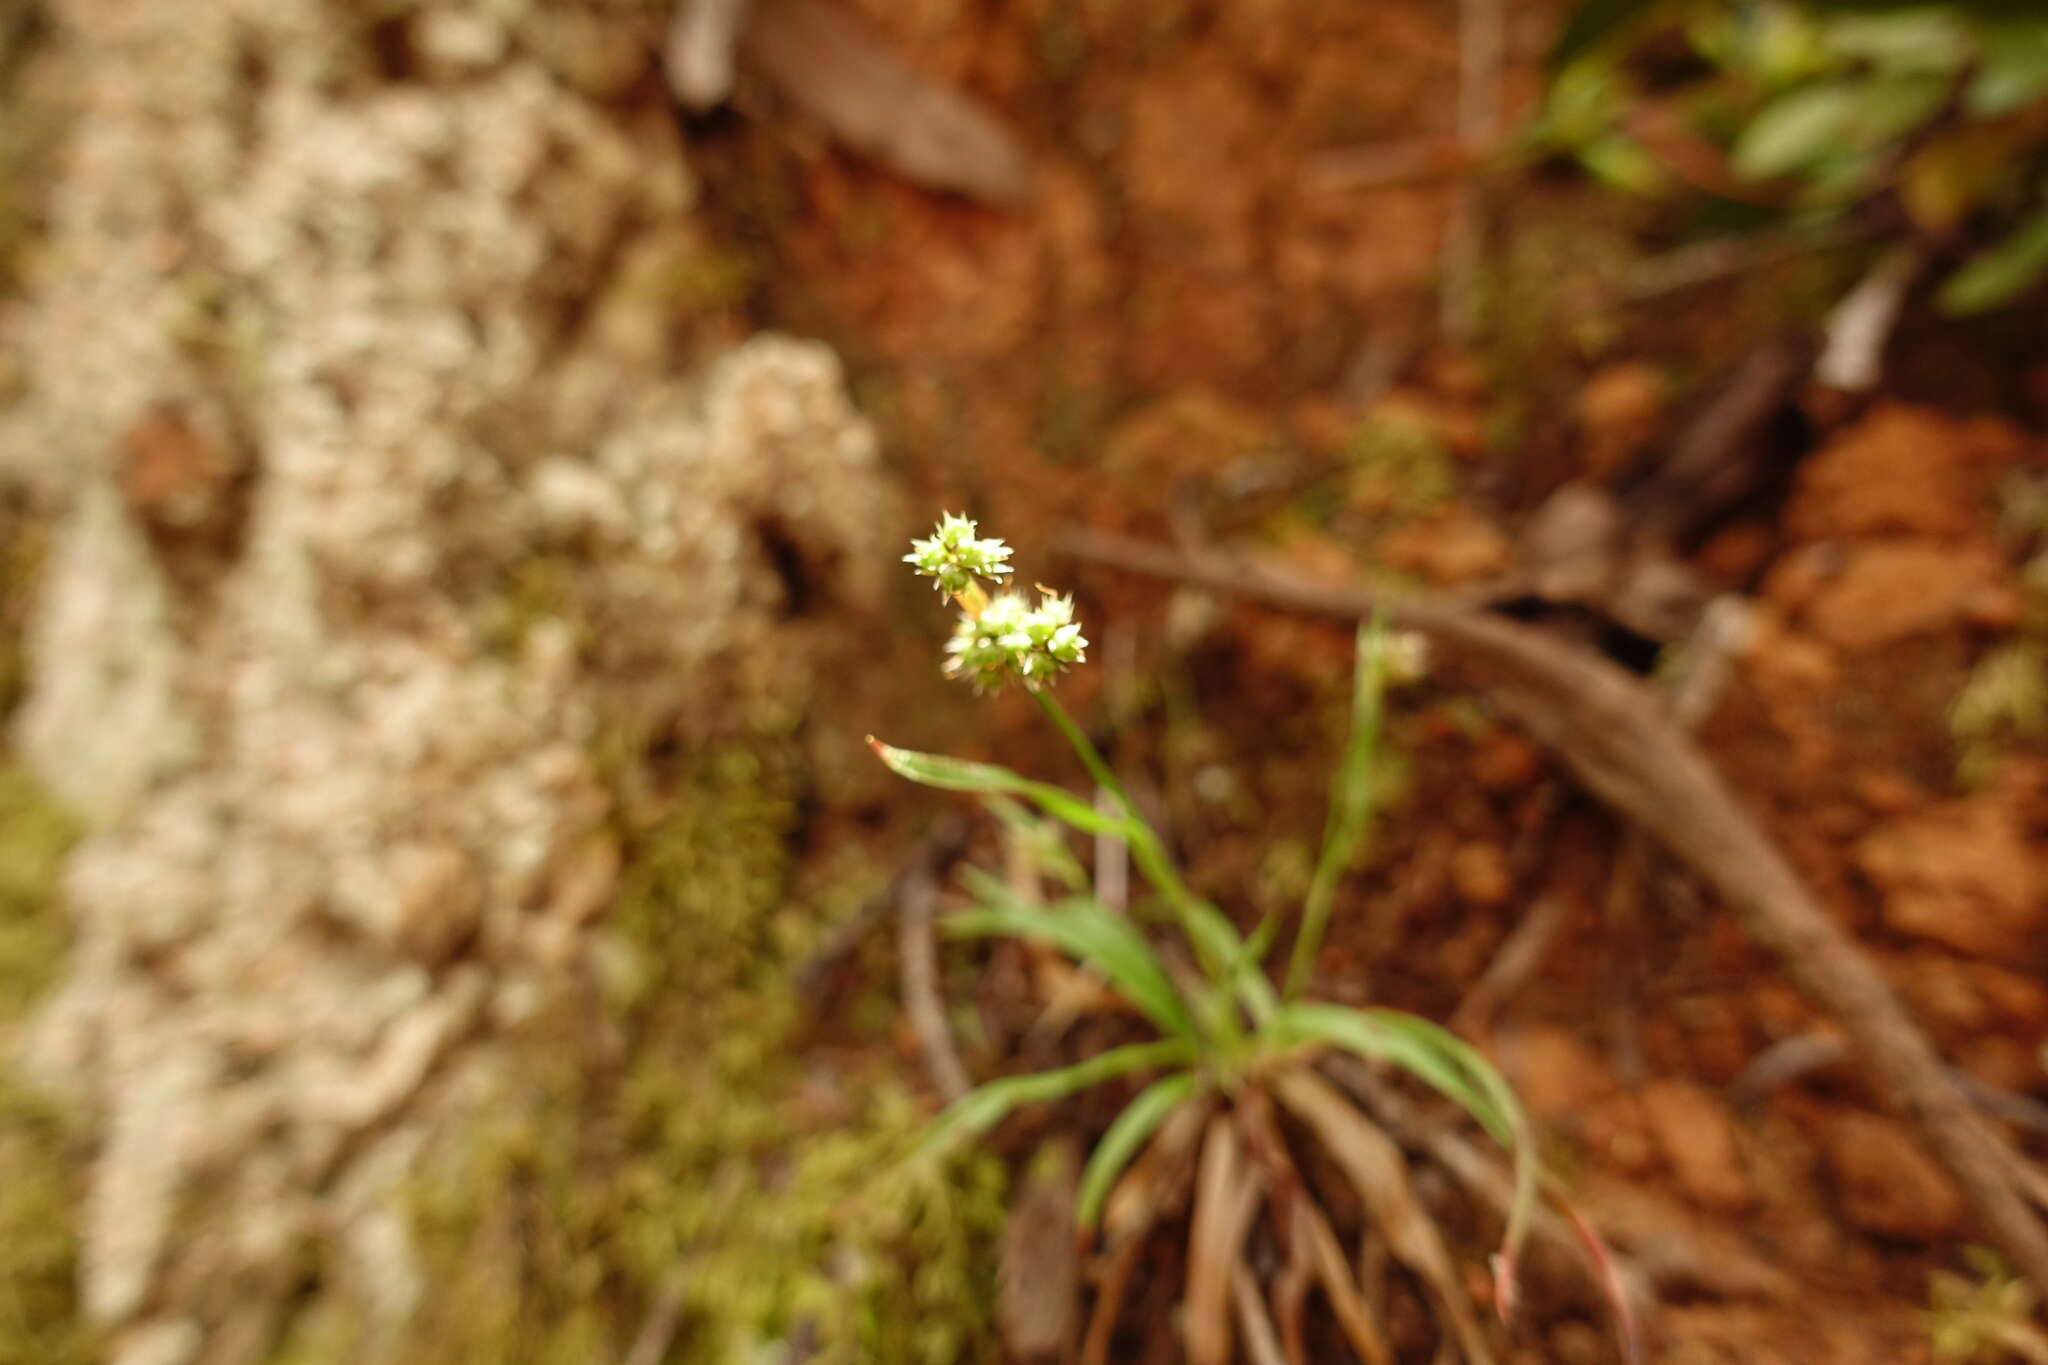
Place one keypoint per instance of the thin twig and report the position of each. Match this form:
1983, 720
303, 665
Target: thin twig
1112, 859
1861, 324
1717, 258
1802, 1054
1482, 53
1260, 1341
1383, 165
920, 984
945, 842
658, 1332
1618, 737
703, 37
1520, 954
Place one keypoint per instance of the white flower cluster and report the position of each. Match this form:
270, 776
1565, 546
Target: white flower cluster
1010, 639
954, 557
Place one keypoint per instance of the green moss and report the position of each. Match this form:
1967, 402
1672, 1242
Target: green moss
672, 1141
41, 1171
41, 1166
34, 836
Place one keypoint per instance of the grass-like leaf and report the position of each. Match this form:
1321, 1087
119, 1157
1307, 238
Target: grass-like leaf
1441, 1060
1132, 1129
1219, 938
983, 1107
961, 775
1999, 273
1351, 793
1043, 839
1088, 931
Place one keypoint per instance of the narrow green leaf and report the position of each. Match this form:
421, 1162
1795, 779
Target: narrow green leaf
1047, 846
1220, 939
2012, 70
983, 1107
1380, 1035
1592, 24
1912, 38
1351, 793
2000, 273
1619, 160
1795, 130
1088, 931
1441, 1060
1833, 125
1133, 1127
959, 774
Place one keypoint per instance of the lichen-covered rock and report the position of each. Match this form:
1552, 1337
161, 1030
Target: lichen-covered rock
409, 280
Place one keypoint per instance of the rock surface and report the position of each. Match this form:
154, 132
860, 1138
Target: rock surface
346, 824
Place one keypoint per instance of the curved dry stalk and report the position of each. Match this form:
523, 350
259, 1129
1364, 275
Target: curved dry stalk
1618, 737
1347, 1300
1260, 1342
1379, 1173
1311, 1243
920, 986
1227, 1196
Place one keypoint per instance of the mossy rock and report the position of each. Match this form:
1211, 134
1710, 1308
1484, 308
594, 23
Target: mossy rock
670, 1152
42, 1164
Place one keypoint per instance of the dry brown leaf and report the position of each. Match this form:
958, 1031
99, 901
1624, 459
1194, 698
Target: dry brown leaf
843, 74
1376, 1168
1260, 1343
1346, 1300
1152, 1180
1109, 1299
1226, 1197
1290, 1299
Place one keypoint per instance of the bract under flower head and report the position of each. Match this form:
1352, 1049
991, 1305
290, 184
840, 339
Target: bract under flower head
955, 557
1011, 640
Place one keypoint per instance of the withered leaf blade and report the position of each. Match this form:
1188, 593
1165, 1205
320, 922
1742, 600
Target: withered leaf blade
1226, 1200
1377, 1169
842, 74
697, 57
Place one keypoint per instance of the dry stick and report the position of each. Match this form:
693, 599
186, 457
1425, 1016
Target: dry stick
664, 1316
1520, 954
920, 983
1789, 1059
1260, 1342
944, 843
1482, 52
1615, 734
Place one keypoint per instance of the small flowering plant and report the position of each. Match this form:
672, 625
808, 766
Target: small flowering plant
1233, 1045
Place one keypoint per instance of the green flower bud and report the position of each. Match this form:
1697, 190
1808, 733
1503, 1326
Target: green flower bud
954, 557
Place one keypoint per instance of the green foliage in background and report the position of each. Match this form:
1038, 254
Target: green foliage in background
1808, 112
2004, 703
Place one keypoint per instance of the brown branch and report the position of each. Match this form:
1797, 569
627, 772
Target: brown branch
920, 983
1619, 739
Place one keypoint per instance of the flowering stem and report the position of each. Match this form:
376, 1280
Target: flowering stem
1146, 850
1351, 809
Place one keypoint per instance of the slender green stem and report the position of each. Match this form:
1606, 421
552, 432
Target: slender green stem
1351, 803
1146, 850
1091, 757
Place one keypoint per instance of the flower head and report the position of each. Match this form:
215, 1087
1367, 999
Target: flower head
1010, 639
955, 557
